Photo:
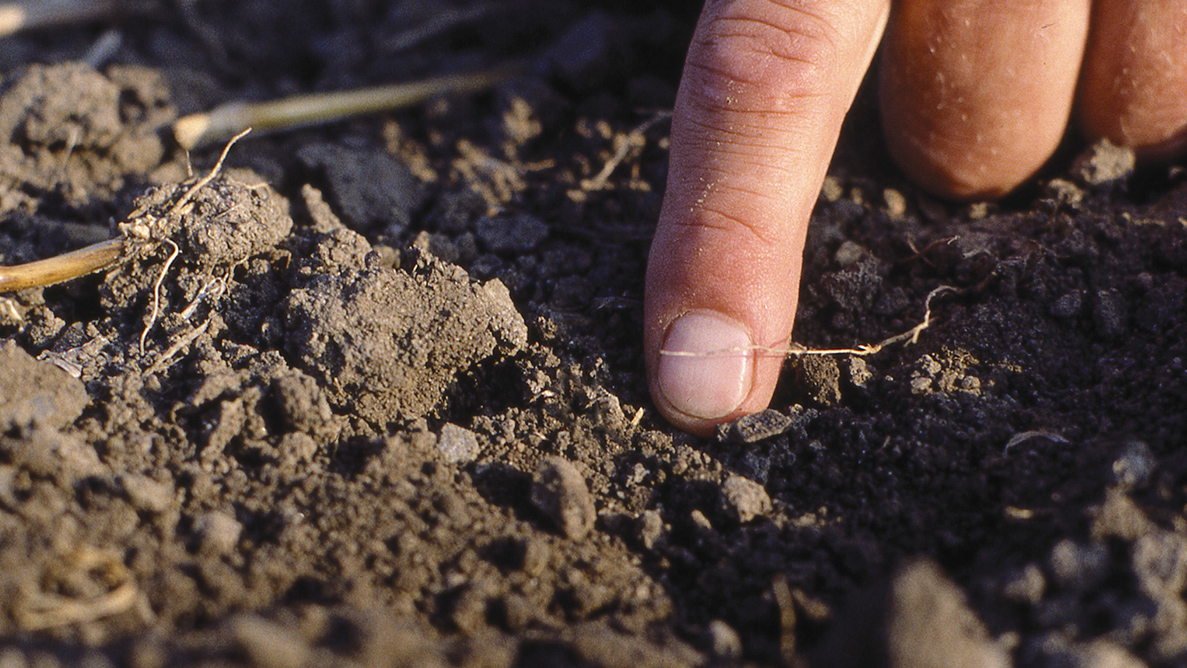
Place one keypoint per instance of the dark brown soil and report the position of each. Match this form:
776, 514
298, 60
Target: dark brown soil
391, 410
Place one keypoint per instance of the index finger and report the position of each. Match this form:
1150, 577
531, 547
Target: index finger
765, 88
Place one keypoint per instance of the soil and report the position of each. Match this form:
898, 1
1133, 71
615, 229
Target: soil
385, 404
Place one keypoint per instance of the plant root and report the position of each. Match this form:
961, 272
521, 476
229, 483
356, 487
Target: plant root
156, 292
910, 336
40, 610
139, 237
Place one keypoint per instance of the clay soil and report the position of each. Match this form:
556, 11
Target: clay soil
386, 405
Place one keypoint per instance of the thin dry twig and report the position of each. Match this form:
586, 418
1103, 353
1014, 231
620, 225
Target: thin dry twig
202, 182
318, 108
911, 335
921, 253
634, 140
30, 14
54, 270
167, 356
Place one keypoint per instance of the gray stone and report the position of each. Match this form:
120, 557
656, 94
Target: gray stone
1134, 466
1109, 314
457, 445
147, 494
219, 531
744, 499
1068, 305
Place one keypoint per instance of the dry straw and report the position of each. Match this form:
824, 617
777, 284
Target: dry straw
229, 119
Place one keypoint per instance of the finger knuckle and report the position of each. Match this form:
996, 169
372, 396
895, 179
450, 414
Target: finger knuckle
777, 49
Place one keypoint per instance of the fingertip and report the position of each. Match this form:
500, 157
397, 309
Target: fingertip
708, 371
706, 365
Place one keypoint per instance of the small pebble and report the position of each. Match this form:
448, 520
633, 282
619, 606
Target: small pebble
268, 644
147, 494
849, 254
560, 493
831, 189
1077, 565
1109, 314
1068, 305
457, 445
219, 531
725, 641
896, 204
744, 499
1134, 466
649, 528
1025, 585
755, 427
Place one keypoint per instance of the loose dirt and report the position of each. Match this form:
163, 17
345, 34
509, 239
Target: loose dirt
392, 411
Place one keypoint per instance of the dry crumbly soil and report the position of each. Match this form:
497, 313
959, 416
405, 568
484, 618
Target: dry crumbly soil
391, 410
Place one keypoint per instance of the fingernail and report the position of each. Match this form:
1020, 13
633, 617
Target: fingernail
705, 364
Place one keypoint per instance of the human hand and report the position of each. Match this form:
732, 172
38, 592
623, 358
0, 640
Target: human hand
975, 95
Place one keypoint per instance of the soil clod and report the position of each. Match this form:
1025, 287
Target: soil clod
559, 491
390, 343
